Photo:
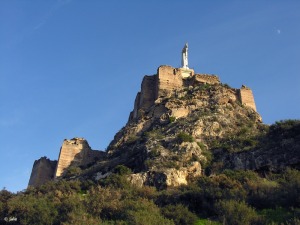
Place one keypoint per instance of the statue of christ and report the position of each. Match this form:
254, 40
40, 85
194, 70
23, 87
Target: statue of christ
184, 60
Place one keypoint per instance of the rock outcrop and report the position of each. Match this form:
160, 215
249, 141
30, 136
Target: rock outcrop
182, 126
200, 109
274, 151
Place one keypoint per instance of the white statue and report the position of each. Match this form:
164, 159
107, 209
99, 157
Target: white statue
184, 60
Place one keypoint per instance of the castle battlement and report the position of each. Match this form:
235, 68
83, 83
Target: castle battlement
169, 79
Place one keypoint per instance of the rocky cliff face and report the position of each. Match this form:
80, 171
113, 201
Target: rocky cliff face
182, 127
170, 142
202, 126
273, 150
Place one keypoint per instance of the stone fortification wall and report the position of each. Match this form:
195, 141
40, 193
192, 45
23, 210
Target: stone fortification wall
206, 78
146, 97
76, 152
148, 91
246, 97
168, 80
134, 113
163, 84
42, 171
94, 155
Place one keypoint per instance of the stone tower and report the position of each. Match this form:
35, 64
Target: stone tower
42, 171
246, 97
76, 152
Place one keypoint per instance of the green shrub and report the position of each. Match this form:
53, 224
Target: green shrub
184, 137
149, 163
179, 214
278, 215
237, 213
155, 134
103, 202
207, 222
209, 157
226, 85
201, 145
72, 171
80, 217
122, 170
143, 212
242, 175
4, 197
170, 164
205, 86
131, 139
29, 209
172, 119
285, 125
154, 153
118, 179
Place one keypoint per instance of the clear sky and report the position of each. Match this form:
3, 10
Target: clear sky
72, 68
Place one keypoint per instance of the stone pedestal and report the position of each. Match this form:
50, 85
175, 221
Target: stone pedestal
186, 72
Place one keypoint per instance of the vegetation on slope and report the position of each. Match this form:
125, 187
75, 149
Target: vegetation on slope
231, 197
213, 134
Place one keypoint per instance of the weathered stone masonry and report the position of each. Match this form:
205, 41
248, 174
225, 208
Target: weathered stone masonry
75, 152
246, 97
169, 79
42, 171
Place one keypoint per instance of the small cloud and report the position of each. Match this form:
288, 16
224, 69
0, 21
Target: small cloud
39, 25
59, 4
278, 31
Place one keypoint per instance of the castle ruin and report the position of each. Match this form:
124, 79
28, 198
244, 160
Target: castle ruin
74, 152
42, 171
167, 80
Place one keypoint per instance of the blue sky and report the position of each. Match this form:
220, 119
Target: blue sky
72, 68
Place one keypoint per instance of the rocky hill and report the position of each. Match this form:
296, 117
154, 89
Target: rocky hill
194, 151
182, 127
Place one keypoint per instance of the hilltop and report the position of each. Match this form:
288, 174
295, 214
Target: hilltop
192, 148
183, 125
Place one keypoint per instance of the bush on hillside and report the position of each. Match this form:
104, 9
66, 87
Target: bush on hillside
180, 214
237, 213
184, 137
